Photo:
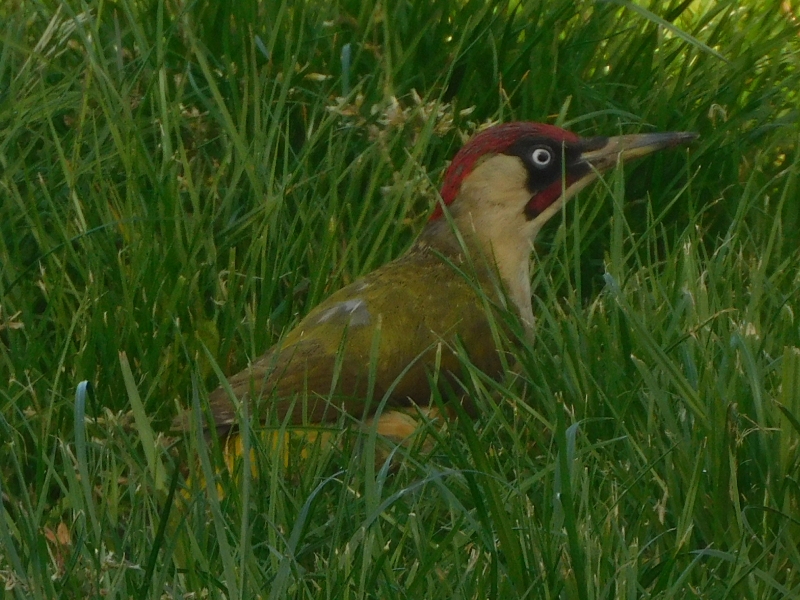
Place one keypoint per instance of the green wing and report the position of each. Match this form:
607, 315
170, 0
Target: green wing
379, 336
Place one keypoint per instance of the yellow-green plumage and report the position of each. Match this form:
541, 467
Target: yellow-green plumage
383, 331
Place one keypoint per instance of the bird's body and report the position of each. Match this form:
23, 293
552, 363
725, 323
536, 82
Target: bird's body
384, 339
364, 343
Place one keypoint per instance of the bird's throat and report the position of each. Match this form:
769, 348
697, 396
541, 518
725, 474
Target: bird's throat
501, 266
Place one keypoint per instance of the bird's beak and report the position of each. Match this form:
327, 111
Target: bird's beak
604, 153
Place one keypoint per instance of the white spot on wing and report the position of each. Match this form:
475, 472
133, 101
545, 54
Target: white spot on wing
354, 311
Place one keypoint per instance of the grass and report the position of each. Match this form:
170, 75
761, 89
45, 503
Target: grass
180, 184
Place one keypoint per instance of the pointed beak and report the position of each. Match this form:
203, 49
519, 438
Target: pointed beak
604, 153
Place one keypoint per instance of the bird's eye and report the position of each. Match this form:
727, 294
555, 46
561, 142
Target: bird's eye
541, 157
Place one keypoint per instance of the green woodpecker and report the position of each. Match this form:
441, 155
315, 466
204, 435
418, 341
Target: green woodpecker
382, 337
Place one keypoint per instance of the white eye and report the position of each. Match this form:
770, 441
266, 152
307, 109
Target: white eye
541, 157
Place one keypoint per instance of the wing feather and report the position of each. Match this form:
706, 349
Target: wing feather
378, 337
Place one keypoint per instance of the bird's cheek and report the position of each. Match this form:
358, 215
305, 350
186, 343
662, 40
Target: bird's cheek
541, 200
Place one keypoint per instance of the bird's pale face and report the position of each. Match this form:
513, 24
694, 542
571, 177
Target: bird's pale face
511, 179
511, 195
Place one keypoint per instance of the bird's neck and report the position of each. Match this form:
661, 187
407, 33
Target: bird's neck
504, 257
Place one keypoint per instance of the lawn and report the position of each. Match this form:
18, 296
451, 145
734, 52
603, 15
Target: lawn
181, 182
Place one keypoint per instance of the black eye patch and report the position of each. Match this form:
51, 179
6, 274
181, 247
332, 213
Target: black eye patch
544, 159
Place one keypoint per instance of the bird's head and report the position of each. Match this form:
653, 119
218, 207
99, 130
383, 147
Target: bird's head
510, 179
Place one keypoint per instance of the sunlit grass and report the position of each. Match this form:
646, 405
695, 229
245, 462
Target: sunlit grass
175, 194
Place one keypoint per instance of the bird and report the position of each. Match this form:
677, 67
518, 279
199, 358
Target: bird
374, 350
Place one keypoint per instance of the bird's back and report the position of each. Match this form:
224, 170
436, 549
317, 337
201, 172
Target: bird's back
388, 334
